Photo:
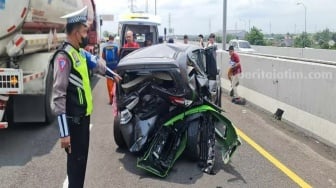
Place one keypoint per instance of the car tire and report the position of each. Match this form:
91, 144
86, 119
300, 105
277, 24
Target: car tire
118, 137
192, 150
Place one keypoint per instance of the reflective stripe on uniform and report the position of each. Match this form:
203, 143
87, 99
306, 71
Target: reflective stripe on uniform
80, 96
76, 81
63, 125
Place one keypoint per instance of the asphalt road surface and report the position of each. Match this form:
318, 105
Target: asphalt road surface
272, 154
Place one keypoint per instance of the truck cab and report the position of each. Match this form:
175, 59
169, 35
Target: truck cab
144, 27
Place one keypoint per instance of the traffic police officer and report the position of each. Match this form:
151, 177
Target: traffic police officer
72, 95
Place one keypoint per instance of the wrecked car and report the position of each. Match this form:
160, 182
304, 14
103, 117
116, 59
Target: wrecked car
168, 103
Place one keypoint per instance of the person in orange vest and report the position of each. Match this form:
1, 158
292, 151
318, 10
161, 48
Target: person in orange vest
110, 55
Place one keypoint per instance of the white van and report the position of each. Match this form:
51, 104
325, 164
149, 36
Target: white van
143, 25
241, 45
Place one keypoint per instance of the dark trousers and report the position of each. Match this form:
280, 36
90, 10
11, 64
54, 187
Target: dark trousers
76, 160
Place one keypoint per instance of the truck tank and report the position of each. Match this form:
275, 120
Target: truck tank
36, 20
29, 32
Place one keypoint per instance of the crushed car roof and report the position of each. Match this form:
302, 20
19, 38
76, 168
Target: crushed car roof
157, 53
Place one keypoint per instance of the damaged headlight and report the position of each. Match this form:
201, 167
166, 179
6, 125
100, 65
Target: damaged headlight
132, 103
125, 116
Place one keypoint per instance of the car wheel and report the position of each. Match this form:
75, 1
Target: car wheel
118, 137
192, 150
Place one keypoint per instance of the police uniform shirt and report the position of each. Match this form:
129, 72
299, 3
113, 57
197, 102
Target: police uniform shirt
62, 68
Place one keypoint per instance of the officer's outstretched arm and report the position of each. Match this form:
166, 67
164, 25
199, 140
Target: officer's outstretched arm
94, 62
91, 60
111, 74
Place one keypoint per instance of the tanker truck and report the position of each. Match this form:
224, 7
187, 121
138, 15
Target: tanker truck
30, 31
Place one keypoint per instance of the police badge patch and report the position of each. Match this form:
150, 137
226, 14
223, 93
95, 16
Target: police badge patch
61, 63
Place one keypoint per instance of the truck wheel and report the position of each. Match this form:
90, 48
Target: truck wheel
48, 95
192, 150
118, 137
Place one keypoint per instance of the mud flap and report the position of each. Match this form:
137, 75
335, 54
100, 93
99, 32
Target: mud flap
23, 105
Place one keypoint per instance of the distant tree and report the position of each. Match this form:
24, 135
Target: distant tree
255, 36
279, 36
302, 40
323, 44
229, 37
323, 38
324, 35
106, 33
218, 39
269, 42
333, 37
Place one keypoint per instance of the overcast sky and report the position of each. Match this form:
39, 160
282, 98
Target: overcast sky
204, 16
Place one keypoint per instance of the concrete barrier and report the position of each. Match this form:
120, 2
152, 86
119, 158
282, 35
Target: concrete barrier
303, 90
306, 53
309, 53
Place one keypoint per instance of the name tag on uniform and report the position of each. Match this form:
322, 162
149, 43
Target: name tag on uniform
75, 56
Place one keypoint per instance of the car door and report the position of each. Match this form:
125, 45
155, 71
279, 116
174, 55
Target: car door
210, 62
213, 74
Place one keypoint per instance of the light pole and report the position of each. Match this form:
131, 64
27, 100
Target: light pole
155, 7
305, 32
244, 23
224, 24
100, 26
132, 6
147, 6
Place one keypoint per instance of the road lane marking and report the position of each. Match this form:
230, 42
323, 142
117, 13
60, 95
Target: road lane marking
273, 160
66, 182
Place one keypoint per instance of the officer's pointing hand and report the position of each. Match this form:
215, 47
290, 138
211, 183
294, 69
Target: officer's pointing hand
117, 78
112, 74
